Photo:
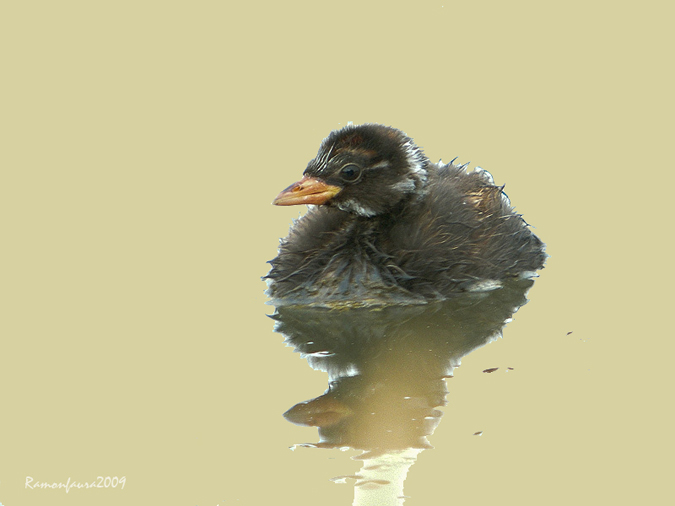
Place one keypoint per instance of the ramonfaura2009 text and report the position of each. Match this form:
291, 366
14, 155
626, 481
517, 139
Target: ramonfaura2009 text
99, 482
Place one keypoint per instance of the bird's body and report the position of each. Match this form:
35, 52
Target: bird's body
392, 227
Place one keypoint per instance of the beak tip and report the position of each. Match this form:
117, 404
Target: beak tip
306, 191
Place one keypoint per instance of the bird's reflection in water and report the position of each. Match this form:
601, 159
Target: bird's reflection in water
387, 368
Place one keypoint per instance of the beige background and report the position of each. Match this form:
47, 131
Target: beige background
142, 143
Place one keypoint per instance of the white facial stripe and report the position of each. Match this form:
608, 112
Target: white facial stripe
323, 159
355, 207
383, 164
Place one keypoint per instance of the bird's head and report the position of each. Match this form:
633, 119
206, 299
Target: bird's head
365, 170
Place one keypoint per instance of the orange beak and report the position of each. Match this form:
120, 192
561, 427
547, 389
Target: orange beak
309, 190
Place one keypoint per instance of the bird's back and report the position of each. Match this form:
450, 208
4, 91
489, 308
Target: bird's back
462, 233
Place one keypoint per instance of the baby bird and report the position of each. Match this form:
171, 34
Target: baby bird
387, 226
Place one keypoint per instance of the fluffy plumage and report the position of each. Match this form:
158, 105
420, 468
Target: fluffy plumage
392, 227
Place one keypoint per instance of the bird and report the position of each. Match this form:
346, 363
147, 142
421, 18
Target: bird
385, 225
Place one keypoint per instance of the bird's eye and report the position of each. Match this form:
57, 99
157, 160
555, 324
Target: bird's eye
350, 173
